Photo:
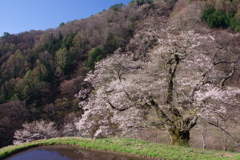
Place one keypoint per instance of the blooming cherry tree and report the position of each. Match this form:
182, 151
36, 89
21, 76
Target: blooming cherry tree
176, 82
34, 131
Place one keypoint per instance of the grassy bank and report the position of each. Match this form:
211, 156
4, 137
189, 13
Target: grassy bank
127, 146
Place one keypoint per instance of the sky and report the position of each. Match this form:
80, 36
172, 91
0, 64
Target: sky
18, 16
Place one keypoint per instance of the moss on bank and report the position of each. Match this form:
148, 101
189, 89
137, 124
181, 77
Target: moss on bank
126, 146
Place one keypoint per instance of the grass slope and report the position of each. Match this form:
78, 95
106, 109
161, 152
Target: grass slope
128, 147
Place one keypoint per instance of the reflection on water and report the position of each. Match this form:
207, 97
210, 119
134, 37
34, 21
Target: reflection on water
40, 155
64, 153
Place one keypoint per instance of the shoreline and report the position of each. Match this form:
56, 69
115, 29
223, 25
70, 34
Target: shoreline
123, 147
64, 146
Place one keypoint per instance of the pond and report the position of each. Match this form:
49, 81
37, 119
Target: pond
66, 153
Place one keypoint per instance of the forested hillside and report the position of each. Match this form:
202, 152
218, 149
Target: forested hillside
41, 71
163, 71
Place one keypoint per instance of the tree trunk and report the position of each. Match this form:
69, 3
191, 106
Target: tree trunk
179, 137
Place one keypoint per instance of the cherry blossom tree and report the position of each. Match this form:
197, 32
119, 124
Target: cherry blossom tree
34, 131
175, 84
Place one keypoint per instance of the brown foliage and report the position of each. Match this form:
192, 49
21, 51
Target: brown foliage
12, 115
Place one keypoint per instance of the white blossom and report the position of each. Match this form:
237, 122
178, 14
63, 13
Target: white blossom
123, 86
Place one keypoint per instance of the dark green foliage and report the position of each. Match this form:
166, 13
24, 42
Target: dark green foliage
113, 42
116, 7
3, 93
235, 24
60, 42
54, 44
61, 24
216, 18
141, 2
16, 71
98, 53
47, 74
220, 15
67, 42
6, 34
95, 55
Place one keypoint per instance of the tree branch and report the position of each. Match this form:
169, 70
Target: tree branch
230, 74
161, 115
193, 122
118, 109
172, 73
222, 129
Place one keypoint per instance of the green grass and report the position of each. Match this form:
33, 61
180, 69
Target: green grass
128, 147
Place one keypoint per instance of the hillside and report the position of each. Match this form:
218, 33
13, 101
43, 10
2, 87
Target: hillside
158, 72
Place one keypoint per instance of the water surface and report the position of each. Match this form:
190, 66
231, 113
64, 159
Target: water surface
66, 153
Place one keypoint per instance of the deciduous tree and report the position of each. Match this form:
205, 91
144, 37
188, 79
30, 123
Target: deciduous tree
178, 82
34, 131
